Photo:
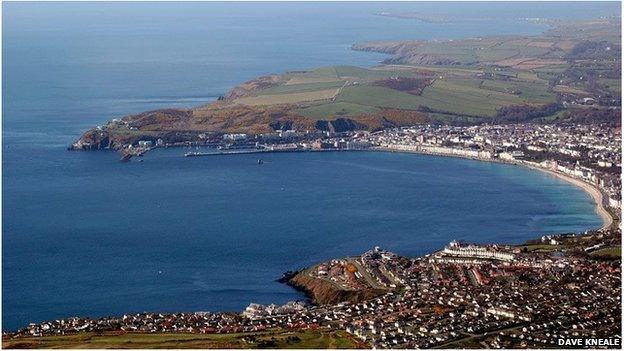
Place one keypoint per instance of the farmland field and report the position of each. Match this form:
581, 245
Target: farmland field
460, 81
275, 99
379, 97
529, 92
448, 93
301, 88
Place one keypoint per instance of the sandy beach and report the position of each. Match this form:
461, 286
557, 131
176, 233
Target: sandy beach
594, 192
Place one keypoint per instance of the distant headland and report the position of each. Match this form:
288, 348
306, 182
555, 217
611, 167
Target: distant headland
513, 79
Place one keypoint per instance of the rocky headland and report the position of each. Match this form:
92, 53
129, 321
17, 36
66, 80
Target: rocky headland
324, 292
467, 81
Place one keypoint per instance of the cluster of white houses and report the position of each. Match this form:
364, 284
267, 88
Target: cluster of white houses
454, 249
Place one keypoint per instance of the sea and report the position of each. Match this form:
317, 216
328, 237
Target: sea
86, 235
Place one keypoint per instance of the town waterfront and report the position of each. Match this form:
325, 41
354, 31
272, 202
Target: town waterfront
174, 233
86, 235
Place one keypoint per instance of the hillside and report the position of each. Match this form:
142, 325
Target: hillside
499, 79
551, 49
273, 339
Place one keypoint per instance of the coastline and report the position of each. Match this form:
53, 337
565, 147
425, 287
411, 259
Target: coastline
596, 195
593, 192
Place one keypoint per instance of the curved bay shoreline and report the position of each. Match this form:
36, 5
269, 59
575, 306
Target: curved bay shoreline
596, 195
593, 191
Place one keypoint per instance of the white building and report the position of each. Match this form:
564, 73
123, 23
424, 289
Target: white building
476, 252
234, 136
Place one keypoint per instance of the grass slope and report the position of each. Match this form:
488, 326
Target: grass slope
608, 252
305, 339
457, 92
336, 110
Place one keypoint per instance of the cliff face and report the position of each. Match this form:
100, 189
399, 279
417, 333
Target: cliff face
171, 125
407, 52
324, 292
508, 51
93, 139
345, 98
385, 47
252, 86
176, 125
209, 121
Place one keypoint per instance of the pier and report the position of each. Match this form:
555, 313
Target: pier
261, 151
235, 152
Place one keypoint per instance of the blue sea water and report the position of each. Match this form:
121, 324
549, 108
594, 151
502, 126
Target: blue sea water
83, 234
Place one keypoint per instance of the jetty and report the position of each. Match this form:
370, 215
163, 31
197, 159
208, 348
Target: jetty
234, 152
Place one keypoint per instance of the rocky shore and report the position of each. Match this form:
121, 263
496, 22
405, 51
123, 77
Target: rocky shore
508, 296
323, 292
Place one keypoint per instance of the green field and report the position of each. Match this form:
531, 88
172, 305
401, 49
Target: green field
379, 97
342, 73
613, 85
454, 94
301, 88
306, 339
493, 50
528, 92
552, 68
608, 252
289, 98
539, 248
504, 79
466, 97
336, 109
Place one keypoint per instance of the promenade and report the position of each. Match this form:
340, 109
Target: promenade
595, 193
